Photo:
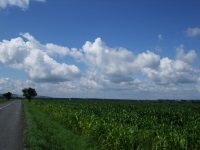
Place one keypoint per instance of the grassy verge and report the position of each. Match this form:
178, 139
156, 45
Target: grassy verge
3, 100
43, 132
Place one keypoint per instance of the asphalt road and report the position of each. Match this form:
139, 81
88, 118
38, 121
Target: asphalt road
11, 126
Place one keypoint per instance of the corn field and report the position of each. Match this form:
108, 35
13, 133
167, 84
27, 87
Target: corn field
129, 125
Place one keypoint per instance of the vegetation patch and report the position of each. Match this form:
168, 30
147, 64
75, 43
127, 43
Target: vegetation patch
126, 125
3, 100
43, 132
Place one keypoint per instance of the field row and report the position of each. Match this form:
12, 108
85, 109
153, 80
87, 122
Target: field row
129, 125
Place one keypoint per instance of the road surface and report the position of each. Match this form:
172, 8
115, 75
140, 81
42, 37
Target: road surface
11, 126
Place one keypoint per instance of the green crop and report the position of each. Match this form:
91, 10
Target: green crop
129, 125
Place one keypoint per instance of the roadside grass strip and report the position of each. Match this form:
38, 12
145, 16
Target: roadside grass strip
3, 100
43, 132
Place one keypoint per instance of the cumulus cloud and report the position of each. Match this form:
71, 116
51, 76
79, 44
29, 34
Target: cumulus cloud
172, 72
40, 67
14, 86
120, 65
32, 57
193, 32
23, 4
168, 71
54, 50
147, 60
189, 57
113, 63
106, 70
116, 64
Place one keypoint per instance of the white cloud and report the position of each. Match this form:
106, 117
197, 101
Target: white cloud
120, 65
42, 68
160, 37
115, 64
189, 57
172, 72
53, 49
109, 72
32, 58
89, 87
192, 32
147, 60
178, 71
14, 86
198, 85
23, 4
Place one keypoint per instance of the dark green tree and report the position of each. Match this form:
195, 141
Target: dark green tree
29, 93
7, 95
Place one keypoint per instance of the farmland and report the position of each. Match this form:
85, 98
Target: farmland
119, 124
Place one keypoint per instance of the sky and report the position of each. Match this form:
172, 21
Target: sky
118, 49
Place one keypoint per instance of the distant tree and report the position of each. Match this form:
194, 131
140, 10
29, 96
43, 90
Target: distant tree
7, 95
29, 93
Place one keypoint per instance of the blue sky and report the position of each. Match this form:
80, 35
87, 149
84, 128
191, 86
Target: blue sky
106, 49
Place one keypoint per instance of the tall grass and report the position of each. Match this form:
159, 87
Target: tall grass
43, 132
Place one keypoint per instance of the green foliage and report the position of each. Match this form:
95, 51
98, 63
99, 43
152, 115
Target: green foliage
7, 95
3, 100
129, 125
29, 93
43, 132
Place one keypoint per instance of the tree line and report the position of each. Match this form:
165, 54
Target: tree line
28, 93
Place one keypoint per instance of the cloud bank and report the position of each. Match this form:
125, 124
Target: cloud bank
32, 58
23, 4
120, 65
115, 71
